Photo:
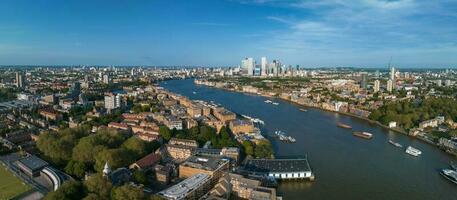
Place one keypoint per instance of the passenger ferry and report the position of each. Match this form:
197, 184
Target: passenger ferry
254, 120
364, 135
449, 174
395, 144
341, 125
413, 151
283, 137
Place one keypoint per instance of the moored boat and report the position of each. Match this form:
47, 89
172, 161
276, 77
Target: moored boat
341, 125
361, 134
413, 151
395, 144
449, 174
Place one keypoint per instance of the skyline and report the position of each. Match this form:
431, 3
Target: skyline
334, 33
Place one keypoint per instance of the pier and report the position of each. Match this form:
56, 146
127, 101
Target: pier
279, 169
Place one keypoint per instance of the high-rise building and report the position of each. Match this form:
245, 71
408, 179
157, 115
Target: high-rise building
438, 82
106, 79
376, 86
112, 101
74, 90
264, 66
257, 70
274, 67
392, 73
20, 79
389, 85
363, 82
248, 64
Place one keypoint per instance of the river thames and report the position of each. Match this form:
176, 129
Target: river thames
346, 167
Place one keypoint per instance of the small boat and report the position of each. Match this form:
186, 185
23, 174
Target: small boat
291, 139
268, 101
274, 103
341, 125
194, 92
449, 174
303, 110
283, 137
364, 135
395, 144
413, 151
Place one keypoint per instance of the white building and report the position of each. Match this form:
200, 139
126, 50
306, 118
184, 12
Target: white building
248, 64
112, 101
392, 73
264, 66
392, 124
389, 85
106, 79
376, 86
191, 188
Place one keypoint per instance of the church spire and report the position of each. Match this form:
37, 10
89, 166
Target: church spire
106, 170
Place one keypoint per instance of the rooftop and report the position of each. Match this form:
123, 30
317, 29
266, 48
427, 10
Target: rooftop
33, 163
180, 190
277, 165
204, 162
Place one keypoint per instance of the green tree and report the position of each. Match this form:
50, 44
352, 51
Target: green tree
264, 149
248, 148
71, 190
137, 147
76, 168
140, 177
115, 157
165, 132
99, 186
127, 192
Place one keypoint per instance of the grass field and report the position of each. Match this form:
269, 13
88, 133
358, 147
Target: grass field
10, 186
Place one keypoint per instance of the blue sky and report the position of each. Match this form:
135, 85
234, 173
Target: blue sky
360, 33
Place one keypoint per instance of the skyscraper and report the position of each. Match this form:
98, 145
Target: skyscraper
106, 79
389, 85
112, 101
75, 90
263, 65
248, 65
376, 86
20, 80
363, 82
392, 74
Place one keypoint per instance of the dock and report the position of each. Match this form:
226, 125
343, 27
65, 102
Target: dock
279, 169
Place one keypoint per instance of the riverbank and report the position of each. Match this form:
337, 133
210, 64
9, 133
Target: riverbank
397, 130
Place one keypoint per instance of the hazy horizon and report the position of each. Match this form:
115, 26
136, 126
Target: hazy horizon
332, 33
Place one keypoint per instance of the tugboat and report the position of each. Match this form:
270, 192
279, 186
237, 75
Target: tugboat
449, 174
413, 151
395, 144
364, 135
341, 125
